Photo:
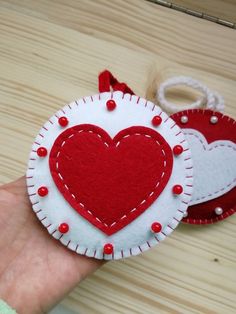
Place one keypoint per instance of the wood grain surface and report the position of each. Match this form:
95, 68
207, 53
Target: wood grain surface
50, 54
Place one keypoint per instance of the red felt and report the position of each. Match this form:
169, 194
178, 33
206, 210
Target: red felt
204, 213
106, 81
110, 182
199, 119
224, 129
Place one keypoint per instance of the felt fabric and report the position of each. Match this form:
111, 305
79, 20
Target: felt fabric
214, 167
167, 209
213, 147
110, 182
106, 81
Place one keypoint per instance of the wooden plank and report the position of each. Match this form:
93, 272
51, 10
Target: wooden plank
50, 54
223, 9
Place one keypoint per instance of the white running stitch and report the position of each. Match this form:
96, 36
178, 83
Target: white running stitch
118, 143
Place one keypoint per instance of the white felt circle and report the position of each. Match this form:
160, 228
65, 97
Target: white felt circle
83, 237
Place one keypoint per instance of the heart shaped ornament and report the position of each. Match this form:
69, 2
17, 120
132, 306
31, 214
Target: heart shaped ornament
110, 175
212, 139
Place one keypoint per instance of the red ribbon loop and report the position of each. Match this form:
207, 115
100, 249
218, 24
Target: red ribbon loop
106, 81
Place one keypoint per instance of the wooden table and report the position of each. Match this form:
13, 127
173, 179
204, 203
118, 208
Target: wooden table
50, 54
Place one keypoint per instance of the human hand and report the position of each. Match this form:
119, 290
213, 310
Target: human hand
36, 271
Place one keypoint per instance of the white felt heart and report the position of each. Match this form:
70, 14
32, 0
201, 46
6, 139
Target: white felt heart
214, 166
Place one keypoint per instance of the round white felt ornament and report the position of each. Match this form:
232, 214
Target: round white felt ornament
110, 175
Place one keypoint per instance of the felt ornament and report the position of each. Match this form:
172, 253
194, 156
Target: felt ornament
110, 175
212, 140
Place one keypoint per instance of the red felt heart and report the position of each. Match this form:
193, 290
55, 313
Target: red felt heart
110, 182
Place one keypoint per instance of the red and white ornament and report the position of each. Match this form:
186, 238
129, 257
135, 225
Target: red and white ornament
212, 140
110, 175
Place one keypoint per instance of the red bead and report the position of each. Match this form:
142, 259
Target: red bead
42, 152
111, 105
63, 121
64, 227
177, 150
177, 189
43, 191
108, 248
156, 227
156, 120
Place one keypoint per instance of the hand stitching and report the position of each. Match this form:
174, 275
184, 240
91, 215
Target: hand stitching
117, 144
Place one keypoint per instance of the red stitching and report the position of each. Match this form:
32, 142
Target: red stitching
167, 120
174, 218
211, 220
178, 133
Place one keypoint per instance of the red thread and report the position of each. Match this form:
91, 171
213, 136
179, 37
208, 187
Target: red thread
106, 81
224, 129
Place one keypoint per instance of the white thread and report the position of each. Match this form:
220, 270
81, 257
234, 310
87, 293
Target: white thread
81, 204
210, 99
